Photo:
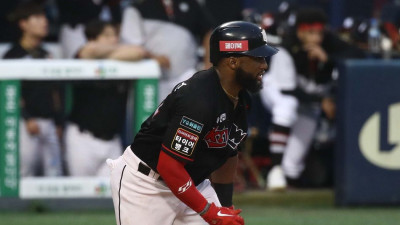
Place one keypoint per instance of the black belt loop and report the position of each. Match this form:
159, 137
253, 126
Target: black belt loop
145, 170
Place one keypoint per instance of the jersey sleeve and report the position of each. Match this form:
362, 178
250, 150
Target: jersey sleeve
186, 128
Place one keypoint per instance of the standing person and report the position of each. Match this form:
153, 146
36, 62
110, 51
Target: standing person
280, 77
40, 127
188, 14
98, 110
311, 53
74, 14
194, 134
183, 24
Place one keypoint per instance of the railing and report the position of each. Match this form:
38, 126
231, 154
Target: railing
144, 76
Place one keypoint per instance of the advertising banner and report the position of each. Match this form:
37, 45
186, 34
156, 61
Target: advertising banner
368, 141
9, 115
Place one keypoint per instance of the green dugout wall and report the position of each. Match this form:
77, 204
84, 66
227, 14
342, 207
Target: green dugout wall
144, 74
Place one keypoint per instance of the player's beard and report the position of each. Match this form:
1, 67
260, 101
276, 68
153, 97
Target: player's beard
248, 81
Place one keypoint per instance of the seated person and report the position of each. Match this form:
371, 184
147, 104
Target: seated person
98, 108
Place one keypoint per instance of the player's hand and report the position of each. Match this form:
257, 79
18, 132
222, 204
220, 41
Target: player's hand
223, 216
59, 132
329, 108
32, 127
232, 207
316, 52
162, 60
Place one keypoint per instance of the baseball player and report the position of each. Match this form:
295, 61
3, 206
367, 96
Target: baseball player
281, 76
194, 134
41, 124
303, 72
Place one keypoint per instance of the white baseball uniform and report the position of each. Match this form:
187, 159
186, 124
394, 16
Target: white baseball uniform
43, 148
86, 153
286, 111
145, 199
162, 38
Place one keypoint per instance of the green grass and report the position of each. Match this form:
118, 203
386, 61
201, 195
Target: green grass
59, 218
259, 208
321, 216
309, 207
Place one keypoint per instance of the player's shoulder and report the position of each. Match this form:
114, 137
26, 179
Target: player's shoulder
15, 51
201, 82
198, 89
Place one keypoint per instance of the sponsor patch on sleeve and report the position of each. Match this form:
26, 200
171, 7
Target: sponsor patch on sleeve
184, 142
191, 124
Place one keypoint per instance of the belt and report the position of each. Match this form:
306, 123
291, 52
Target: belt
99, 135
147, 171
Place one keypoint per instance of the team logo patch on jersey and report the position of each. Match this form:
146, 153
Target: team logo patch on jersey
217, 138
191, 124
236, 135
233, 46
220, 138
184, 142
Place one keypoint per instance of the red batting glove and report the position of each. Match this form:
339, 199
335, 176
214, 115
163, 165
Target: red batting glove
222, 216
232, 207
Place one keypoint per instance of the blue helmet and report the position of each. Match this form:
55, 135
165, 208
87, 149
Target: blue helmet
239, 38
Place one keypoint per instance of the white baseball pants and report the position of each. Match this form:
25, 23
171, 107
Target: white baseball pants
43, 148
141, 199
86, 153
298, 145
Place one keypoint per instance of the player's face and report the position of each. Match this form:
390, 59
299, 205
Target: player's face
35, 25
108, 36
249, 74
311, 36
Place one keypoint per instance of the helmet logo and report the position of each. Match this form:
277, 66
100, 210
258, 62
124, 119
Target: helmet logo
264, 35
233, 46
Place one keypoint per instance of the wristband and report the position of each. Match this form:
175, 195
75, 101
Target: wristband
205, 209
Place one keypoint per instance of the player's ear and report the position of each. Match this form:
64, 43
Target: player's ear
233, 62
22, 24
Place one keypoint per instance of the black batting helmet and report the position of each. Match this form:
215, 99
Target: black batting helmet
239, 38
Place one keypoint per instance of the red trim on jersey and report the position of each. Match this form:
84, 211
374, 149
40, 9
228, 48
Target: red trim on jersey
179, 182
169, 150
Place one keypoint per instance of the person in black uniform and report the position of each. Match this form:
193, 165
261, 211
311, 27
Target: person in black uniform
41, 108
313, 53
98, 110
194, 134
183, 24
